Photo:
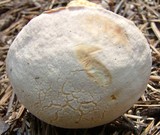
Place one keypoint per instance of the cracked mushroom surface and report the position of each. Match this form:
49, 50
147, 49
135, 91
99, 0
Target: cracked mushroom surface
79, 66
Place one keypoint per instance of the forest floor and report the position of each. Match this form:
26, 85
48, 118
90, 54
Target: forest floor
142, 119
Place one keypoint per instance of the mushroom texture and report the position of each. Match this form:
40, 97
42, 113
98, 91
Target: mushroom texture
79, 66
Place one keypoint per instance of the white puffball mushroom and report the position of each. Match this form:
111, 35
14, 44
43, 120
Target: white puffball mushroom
79, 66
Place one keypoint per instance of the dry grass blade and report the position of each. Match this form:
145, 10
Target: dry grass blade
133, 116
154, 78
4, 48
153, 89
4, 80
155, 29
153, 105
10, 104
20, 112
157, 129
155, 50
150, 9
13, 26
6, 96
118, 7
4, 2
149, 128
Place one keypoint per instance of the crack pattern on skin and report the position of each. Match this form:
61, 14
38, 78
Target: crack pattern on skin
77, 100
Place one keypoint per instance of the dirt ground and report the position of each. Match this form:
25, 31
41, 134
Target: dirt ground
142, 119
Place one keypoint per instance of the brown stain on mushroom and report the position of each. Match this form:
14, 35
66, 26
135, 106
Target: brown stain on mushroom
116, 94
99, 25
113, 97
95, 70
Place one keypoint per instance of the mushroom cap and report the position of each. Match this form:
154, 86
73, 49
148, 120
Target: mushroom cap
79, 66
